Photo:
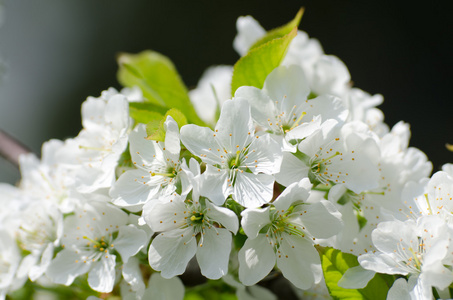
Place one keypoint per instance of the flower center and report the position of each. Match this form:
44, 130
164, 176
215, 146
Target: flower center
197, 218
171, 173
235, 162
280, 225
99, 244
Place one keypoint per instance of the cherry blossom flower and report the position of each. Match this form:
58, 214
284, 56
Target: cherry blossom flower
92, 239
412, 248
238, 161
189, 227
158, 169
285, 233
94, 153
282, 107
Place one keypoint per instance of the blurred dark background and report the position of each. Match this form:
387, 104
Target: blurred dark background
59, 52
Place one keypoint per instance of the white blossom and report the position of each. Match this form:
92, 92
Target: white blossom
334, 155
39, 232
412, 248
283, 108
238, 161
158, 170
94, 153
9, 263
189, 227
284, 233
213, 89
92, 239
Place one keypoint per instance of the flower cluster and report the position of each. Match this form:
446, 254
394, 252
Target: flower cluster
257, 186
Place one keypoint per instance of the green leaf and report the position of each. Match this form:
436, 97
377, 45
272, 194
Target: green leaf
253, 68
158, 79
193, 296
177, 115
144, 116
334, 265
148, 106
155, 129
279, 31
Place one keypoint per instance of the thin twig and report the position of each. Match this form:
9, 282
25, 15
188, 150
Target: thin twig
11, 149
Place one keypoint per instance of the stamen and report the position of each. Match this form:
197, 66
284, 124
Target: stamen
429, 205
298, 120
94, 148
194, 218
237, 158
163, 174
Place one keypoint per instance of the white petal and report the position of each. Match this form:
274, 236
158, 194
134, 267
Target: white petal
159, 214
331, 76
224, 216
381, 263
389, 234
127, 293
92, 110
130, 189
253, 190
302, 270
336, 192
138, 143
256, 260
46, 257
198, 140
213, 88
172, 143
287, 85
436, 275
322, 219
235, 124
304, 130
329, 107
25, 265
292, 170
253, 219
356, 278
213, 253
170, 252
64, 268
214, 184
249, 31
266, 156
298, 191
102, 276
399, 290
257, 292
133, 276
117, 112
129, 241
261, 106
164, 289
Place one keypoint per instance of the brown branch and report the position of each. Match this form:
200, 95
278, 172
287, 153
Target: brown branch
11, 149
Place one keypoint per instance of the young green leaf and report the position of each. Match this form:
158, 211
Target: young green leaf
253, 68
155, 129
148, 106
144, 116
334, 265
279, 31
177, 115
158, 79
